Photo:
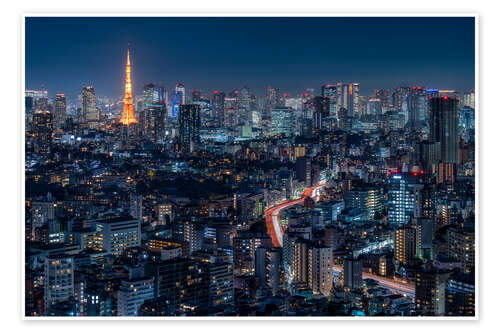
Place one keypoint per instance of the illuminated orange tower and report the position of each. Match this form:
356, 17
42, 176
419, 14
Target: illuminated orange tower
128, 116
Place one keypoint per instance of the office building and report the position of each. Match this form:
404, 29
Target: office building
348, 98
402, 187
189, 126
132, 294
89, 108
303, 170
42, 130
117, 234
282, 122
353, 274
60, 110
58, 279
444, 127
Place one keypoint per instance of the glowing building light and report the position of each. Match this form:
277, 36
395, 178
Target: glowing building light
128, 116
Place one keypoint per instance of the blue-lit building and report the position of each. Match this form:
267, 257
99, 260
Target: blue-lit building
402, 187
175, 101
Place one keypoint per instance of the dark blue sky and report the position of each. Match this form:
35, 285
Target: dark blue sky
227, 53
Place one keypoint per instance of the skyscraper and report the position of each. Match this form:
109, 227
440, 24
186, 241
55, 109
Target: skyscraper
416, 107
181, 91
154, 119
404, 244
189, 125
282, 121
42, 130
303, 170
348, 98
89, 108
444, 126
402, 197
128, 116
60, 109
218, 104
320, 261
147, 95
330, 91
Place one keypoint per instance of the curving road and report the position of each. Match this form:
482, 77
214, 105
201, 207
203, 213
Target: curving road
273, 214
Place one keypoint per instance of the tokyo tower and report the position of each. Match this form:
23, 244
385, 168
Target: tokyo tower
128, 116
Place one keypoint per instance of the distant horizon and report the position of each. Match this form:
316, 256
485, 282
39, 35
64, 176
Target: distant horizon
213, 53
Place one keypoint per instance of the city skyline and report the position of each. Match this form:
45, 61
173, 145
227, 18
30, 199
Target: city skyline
169, 50
175, 202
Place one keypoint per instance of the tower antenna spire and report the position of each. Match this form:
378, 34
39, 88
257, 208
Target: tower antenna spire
128, 116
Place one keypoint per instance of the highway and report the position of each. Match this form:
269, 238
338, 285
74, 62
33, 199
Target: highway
272, 216
397, 287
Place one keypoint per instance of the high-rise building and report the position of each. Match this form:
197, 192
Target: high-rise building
320, 261
402, 187
444, 126
374, 106
430, 286
319, 110
132, 294
147, 95
303, 170
182, 282
268, 267
460, 295
417, 107
89, 111
353, 273
42, 129
60, 110
128, 115
164, 213
218, 104
447, 173
366, 198
189, 125
154, 118
330, 91
193, 235
348, 98
461, 247
196, 96
282, 121
181, 91
469, 100
424, 236
404, 244
295, 252
58, 279
220, 279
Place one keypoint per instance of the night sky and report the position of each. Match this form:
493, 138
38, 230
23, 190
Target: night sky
227, 53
